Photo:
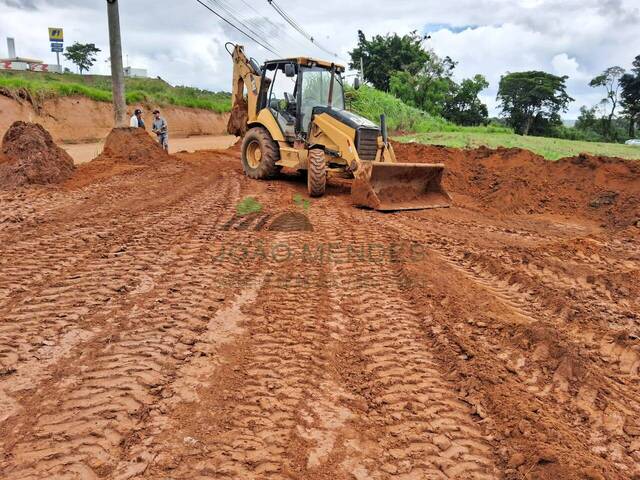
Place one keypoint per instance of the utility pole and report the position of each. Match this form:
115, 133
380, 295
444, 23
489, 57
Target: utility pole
117, 70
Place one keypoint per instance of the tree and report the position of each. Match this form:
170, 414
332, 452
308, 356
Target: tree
463, 106
384, 55
588, 119
429, 88
531, 99
82, 54
610, 80
630, 97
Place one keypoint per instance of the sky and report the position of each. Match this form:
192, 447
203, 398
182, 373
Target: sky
183, 43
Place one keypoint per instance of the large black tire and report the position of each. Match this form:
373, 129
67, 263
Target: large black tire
259, 154
317, 173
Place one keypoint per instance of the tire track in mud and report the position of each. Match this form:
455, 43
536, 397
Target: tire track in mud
414, 417
286, 397
102, 278
608, 400
40, 331
114, 377
531, 287
258, 395
94, 236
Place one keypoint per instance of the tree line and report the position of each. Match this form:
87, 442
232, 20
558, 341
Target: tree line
531, 102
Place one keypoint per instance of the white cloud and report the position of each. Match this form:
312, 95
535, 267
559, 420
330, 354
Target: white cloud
564, 65
183, 43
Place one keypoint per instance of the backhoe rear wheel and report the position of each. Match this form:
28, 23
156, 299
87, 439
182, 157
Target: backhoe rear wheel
317, 173
259, 154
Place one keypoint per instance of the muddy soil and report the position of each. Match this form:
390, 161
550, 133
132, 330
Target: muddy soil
155, 323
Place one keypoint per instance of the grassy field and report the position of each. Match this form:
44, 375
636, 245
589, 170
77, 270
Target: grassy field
550, 148
96, 87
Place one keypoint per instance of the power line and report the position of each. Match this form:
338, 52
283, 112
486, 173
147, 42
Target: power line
299, 29
236, 27
275, 26
234, 16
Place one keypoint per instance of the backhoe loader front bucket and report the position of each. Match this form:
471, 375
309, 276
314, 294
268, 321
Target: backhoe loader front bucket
400, 186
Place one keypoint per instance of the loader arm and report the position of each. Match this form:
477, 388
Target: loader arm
246, 75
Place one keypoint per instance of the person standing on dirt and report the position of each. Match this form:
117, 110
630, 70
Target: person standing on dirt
136, 119
161, 129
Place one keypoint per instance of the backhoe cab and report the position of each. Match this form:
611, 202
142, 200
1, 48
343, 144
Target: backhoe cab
294, 116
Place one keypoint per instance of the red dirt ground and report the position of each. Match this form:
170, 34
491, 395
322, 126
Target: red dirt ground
151, 330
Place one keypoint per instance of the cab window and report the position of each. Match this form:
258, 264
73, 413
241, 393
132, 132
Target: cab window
282, 99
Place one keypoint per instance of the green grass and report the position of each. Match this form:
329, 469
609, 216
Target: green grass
42, 86
550, 148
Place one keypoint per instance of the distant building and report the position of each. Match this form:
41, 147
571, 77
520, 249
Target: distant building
13, 62
135, 72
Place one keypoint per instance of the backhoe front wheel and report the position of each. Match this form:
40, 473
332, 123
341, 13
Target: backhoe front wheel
259, 154
317, 173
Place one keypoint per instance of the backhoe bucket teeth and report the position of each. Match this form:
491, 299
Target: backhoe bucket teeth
400, 186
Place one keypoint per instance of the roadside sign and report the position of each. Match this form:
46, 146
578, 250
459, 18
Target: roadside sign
56, 34
57, 47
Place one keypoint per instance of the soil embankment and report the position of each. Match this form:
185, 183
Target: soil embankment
80, 120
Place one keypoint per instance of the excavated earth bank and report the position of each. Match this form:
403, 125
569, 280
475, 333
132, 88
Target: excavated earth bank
512, 180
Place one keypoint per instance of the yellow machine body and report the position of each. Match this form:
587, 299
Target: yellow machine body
334, 142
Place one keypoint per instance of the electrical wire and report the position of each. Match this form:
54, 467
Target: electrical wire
208, 7
299, 29
245, 23
226, 12
282, 32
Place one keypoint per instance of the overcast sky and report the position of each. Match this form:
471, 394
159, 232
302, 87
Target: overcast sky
183, 43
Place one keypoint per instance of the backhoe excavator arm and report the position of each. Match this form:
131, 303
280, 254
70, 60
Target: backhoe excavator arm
246, 76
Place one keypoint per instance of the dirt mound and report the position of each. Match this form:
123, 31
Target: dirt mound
132, 145
512, 180
29, 156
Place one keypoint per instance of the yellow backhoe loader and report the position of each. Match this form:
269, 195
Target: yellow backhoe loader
293, 115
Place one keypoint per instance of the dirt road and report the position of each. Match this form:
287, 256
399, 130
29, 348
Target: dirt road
85, 152
156, 323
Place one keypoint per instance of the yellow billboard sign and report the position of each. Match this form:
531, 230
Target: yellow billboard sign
56, 35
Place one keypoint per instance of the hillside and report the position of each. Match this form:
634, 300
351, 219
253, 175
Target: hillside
407, 123
38, 87
78, 109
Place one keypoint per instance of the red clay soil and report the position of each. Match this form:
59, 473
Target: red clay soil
149, 331
512, 180
132, 145
30, 157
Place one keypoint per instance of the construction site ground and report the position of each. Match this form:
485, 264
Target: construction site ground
169, 318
